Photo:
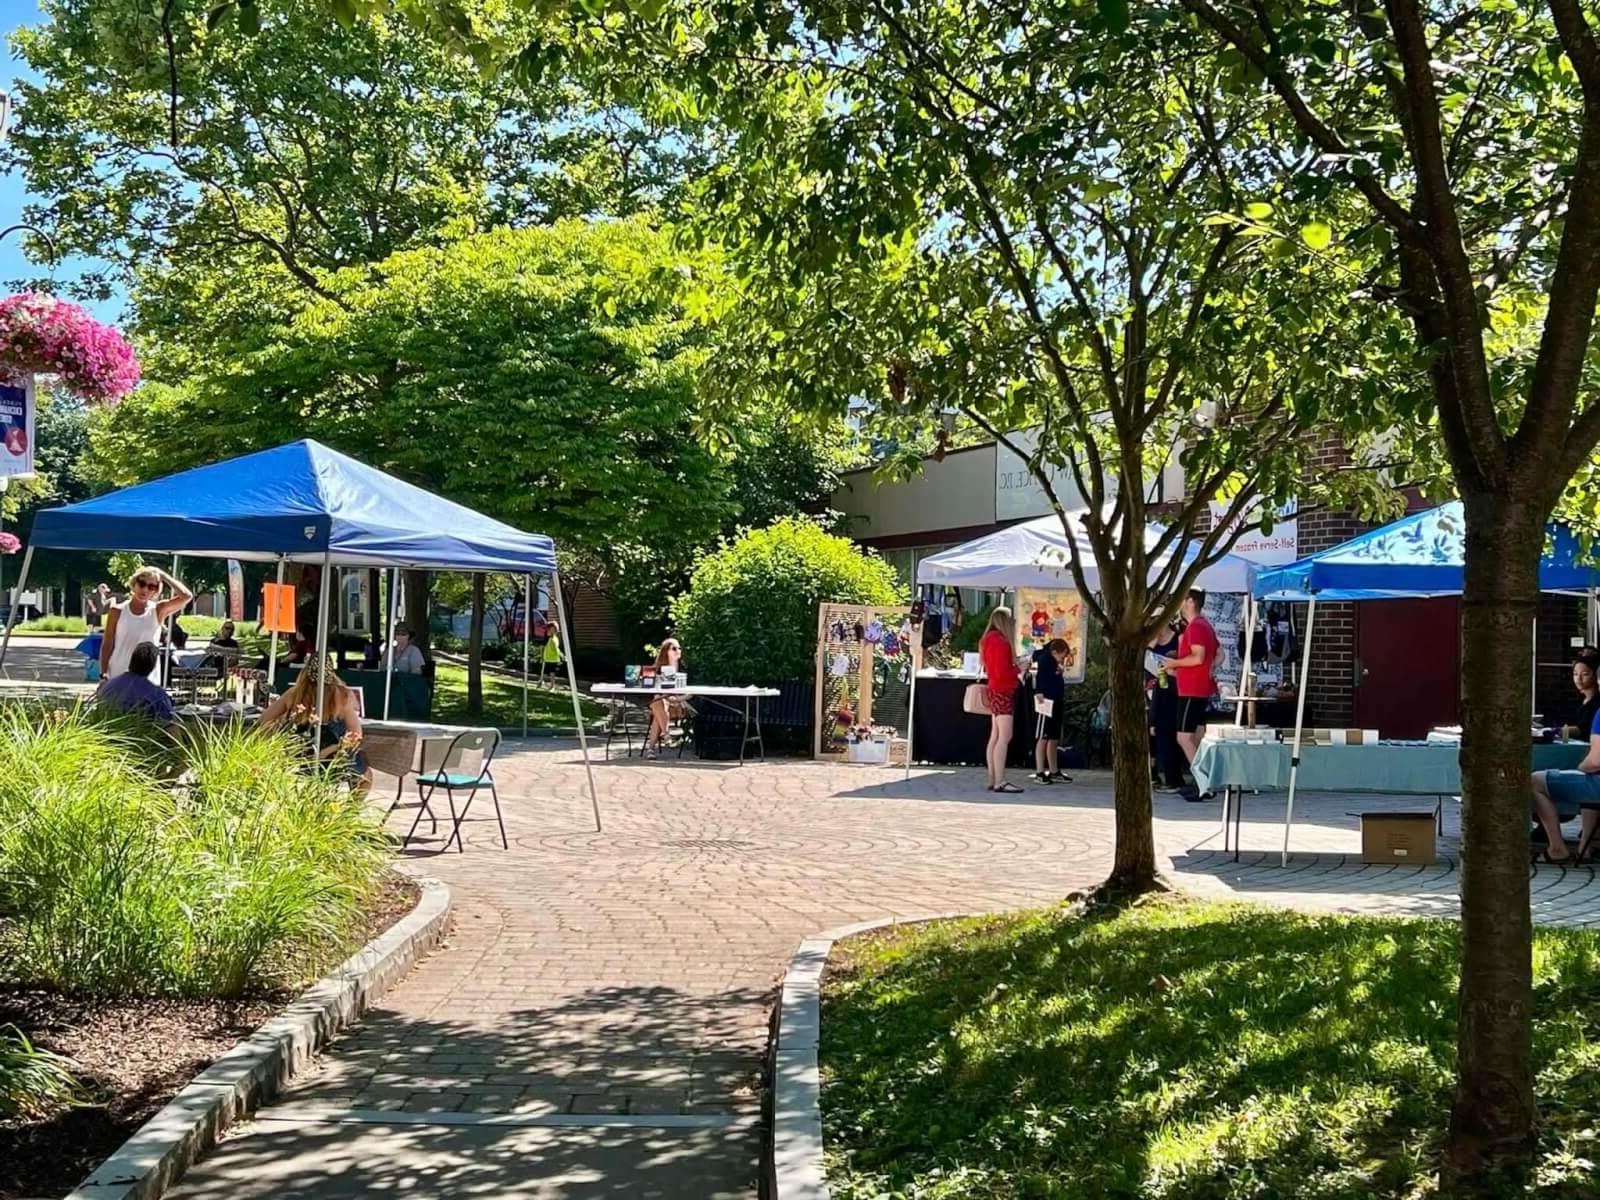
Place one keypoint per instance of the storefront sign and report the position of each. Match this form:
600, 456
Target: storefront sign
16, 429
1043, 615
1269, 549
1018, 495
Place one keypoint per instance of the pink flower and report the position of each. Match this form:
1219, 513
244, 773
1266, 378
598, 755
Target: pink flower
42, 334
9, 543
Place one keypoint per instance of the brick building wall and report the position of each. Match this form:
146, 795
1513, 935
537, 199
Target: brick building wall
1331, 699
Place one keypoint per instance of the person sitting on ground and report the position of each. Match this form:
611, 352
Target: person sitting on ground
341, 720
1580, 790
134, 691
1049, 686
665, 710
407, 658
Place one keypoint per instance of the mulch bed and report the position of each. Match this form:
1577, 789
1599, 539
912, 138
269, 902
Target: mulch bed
136, 1055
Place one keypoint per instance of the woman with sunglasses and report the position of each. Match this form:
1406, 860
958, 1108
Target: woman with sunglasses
139, 620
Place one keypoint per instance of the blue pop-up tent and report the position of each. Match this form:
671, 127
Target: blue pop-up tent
305, 503
1420, 555
1423, 554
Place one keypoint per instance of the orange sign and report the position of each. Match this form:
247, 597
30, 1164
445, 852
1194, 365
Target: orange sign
277, 608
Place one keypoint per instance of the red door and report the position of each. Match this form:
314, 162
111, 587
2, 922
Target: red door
1408, 665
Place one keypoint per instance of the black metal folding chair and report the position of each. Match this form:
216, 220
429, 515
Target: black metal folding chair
481, 742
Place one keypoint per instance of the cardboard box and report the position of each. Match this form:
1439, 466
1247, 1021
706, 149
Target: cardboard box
1398, 837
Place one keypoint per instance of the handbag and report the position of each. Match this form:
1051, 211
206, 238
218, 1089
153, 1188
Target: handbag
976, 700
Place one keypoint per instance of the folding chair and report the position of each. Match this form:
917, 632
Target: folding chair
482, 742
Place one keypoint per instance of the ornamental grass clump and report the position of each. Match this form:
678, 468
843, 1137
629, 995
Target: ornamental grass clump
227, 870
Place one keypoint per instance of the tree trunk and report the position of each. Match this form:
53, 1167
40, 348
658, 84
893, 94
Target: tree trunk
416, 615
1134, 867
1492, 1120
475, 649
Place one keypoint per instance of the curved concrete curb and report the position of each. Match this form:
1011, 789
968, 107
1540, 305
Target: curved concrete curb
155, 1157
797, 1164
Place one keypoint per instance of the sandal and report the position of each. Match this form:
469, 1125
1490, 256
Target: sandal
1009, 789
1566, 860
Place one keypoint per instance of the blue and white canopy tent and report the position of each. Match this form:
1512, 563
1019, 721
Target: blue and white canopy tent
305, 503
1420, 555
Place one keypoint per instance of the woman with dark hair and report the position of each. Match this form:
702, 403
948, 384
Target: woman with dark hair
667, 709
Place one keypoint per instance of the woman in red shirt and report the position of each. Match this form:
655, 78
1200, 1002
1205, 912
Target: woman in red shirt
1000, 668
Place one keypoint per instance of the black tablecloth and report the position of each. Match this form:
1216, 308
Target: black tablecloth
949, 736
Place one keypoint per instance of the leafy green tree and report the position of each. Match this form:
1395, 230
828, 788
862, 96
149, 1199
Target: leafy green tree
1469, 135
750, 614
173, 149
1059, 236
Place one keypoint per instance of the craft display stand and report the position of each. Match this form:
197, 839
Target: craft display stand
845, 633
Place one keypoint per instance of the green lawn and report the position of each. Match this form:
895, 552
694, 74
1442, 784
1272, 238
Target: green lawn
201, 628
1177, 1050
548, 708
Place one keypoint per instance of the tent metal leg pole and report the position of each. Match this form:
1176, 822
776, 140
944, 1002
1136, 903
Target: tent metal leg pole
322, 651
166, 674
1249, 641
1299, 725
564, 632
527, 622
911, 708
11, 611
394, 604
1594, 619
1533, 683
272, 651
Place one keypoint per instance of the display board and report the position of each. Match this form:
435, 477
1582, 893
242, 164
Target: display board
865, 657
1044, 614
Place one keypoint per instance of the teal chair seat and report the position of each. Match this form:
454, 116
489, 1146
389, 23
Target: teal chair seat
479, 742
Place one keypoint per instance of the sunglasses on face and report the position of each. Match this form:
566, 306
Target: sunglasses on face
147, 587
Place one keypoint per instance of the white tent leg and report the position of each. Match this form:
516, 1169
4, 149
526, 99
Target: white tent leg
1299, 723
166, 673
322, 651
11, 612
272, 652
1594, 618
565, 634
911, 709
527, 621
394, 605
1533, 683
1249, 641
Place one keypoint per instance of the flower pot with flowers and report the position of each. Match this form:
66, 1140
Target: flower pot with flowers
43, 335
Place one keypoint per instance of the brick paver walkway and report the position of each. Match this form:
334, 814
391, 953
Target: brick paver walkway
595, 1025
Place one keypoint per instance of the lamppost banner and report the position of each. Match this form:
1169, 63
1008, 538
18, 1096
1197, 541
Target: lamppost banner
16, 429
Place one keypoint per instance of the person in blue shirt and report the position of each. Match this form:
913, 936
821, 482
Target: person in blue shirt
134, 692
1578, 789
1049, 686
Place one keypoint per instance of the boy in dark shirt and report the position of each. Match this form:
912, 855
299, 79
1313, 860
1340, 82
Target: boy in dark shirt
1049, 688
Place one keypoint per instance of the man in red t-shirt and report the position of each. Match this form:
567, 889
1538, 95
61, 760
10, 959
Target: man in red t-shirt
1195, 669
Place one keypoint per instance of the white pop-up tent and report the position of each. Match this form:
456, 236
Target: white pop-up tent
1036, 554
1420, 555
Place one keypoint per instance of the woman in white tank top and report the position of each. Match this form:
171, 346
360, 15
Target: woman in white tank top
139, 620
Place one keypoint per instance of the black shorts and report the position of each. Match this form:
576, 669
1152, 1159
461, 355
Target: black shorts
1048, 728
1192, 712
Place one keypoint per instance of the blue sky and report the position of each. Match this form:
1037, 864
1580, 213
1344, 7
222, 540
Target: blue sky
13, 15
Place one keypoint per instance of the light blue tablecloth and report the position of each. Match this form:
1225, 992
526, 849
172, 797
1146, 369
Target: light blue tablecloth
1397, 768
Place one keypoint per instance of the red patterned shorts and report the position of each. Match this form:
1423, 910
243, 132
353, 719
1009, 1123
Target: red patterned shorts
1002, 702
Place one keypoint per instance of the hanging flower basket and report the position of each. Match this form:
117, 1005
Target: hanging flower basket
9, 544
40, 334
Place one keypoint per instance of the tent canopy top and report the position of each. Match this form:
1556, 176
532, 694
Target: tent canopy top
302, 502
1423, 554
1035, 554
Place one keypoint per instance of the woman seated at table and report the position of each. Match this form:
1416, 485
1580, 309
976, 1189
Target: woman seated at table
1586, 679
1579, 789
665, 710
341, 722
135, 692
